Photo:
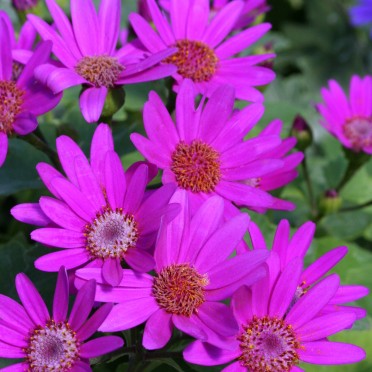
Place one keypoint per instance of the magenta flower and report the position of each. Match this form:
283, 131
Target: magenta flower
349, 120
285, 249
101, 216
287, 173
86, 49
193, 273
204, 55
52, 343
205, 152
275, 334
24, 99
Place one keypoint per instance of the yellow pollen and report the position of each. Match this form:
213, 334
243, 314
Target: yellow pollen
101, 71
11, 100
196, 166
194, 59
179, 289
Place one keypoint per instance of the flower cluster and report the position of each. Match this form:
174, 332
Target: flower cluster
170, 251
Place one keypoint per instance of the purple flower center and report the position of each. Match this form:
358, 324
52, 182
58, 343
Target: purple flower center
53, 347
11, 99
179, 289
195, 60
196, 166
359, 132
100, 71
111, 234
268, 344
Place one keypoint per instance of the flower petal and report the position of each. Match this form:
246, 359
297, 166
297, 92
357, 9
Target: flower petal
100, 346
60, 300
158, 330
91, 102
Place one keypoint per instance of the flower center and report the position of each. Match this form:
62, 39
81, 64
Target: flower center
53, 347
359, 132
101, 71
196, 166
111, 234
11, 99
179, 289
268, 344
195, 60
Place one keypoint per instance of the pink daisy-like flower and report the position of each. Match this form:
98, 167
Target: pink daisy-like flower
87, 50
204, 55
52, 343
284, 249
276, 334
101, 216
205, 152
21, 100
287, 173
350, 121
193, 273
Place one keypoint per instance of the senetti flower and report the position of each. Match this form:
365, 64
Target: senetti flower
100, 216
350, 121
204, 54
205, 152
57, 342
287, 173
361, 14
192, 274
275, 334
285, 249
87, 50
21, 100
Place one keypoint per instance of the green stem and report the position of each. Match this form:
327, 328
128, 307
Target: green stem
37, 140
356, 207
312, 202
163, 355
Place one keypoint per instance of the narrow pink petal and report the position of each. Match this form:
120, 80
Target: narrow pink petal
139, 260
30, 213
136, 189
241, 305
5, 51
109, 22
235, 367
81, 366
59, 79
149, 74
84, 17
221, 244
158, 330
90, 327
129, 314
88, 183
322, 265
313, 301
91, 103
102, 142
13, 336
258, 240
205, 354
285, 288
114, 180
209, 215
112, 271
71, 258
61, 214
242, 40
10, 351
47, 174
197, 21
281, 239
219, 318
83, 304
161, 22
60, 300
324, 326
3, 147
325, 352
178, 15
191, 326
222, 23
75, 199
25, 123
349, 293
31, 300
59, 238
100, 346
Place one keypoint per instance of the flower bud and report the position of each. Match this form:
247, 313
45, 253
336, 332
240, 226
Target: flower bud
24, 4
330, 202
302, 132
